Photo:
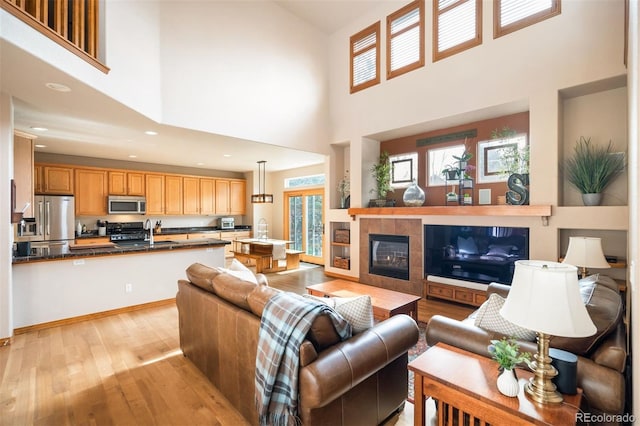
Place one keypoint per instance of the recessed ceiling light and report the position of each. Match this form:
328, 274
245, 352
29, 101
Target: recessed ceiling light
133, 156
58, 87
151, 133
226, 155
39, 145
39, 129
199, 164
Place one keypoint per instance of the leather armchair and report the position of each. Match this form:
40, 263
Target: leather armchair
601, 358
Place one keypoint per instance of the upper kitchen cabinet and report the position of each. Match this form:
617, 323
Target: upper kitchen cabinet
50, 179
238, 197
191, 195
23, 172
126, 183
91, 192
230, 197
173, 194
207, 196
154, 186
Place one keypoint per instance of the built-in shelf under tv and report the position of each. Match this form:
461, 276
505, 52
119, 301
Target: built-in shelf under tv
474, 254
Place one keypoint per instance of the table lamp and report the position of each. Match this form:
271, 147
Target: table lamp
585, 252
545, 297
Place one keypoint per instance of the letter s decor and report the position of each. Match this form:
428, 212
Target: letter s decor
518, 193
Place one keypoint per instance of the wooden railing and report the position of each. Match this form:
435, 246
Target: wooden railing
71, 23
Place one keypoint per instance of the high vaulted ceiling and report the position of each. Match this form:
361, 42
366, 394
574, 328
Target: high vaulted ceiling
87, 123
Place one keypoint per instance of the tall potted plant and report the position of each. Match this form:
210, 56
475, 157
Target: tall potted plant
382, 174
592, 168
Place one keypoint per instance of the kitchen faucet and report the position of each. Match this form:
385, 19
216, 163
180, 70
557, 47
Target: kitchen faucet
149, 226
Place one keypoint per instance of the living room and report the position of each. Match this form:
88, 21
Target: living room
562, 81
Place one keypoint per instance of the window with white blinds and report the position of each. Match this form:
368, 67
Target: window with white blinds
457, 26
365, 58
405, 39
512, 15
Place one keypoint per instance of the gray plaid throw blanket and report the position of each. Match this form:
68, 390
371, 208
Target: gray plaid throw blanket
286, 319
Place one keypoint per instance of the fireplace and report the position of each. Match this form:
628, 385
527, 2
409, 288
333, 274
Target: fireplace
389, 255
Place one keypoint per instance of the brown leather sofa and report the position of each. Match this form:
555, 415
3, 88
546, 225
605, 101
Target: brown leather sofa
601, 358
360, 381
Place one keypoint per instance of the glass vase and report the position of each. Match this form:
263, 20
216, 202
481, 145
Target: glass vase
413, 196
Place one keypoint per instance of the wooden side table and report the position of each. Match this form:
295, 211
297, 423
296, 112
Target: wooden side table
464, 386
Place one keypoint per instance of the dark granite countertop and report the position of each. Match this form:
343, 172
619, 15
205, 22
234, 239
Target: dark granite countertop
177, 230
64, 252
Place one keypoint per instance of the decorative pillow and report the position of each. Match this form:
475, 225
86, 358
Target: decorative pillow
238, 270
500, 250
488, 317
467, 246
358, 310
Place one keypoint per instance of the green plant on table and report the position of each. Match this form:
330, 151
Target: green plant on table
506, 352
592, 168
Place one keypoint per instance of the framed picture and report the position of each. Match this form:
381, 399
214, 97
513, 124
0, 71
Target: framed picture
402, 171
490, 157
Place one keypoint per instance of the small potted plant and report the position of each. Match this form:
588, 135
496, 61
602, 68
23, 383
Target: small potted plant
382, 175
506, 352
592, 169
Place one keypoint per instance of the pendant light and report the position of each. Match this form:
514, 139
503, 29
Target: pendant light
261, 197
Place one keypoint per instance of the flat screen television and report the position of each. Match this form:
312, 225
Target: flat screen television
480, 254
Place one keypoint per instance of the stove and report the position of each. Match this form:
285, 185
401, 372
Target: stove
126, 232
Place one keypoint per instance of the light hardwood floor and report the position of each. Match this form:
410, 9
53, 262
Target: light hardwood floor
125, 369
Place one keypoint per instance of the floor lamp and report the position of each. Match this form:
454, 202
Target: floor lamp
545, 297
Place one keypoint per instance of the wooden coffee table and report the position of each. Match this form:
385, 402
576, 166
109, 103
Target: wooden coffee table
464, 385
385, 302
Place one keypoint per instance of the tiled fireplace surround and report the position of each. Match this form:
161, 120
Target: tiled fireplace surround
412, 228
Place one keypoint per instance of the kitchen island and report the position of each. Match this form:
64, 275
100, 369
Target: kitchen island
51, 287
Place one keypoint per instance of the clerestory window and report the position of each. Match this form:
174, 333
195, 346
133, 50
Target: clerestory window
512, 15
365, 58
405, 39
457, 26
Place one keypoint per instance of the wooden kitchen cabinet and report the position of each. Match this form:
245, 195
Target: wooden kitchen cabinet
231, 197
126, 183
135, 184
154, 187
92, 241
53, 180
173, 194
91, 192
207, 196
237, 197
23, 172
191, 195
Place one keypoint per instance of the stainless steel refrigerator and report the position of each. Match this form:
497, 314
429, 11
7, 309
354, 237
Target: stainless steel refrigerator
55, 217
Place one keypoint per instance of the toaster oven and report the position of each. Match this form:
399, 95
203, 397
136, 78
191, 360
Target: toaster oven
226, 223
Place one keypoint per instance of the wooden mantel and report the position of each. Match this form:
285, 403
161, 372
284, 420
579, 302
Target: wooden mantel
543, 211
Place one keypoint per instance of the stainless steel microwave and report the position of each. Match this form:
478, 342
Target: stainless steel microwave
121, 204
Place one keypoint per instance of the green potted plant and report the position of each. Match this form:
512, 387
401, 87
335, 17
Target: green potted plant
506, 352
382, 174
592, 168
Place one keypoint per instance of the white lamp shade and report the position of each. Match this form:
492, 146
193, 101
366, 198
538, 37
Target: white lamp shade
586, 252
545, 297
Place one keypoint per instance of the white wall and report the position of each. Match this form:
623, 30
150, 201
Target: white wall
634, 194
248, 69
6, 228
